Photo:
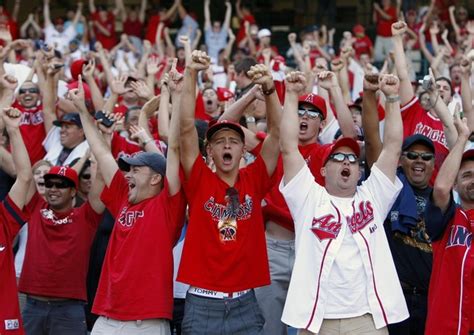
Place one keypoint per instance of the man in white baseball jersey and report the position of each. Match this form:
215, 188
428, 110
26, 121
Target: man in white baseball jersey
344, 279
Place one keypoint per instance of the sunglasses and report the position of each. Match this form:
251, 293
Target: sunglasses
57, 184
340, 157
28, 90
426, 156
86, 176
312, 114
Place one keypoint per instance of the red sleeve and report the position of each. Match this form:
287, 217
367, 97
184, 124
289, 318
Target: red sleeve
176, 212
13, 217
116, 195
90, 215
196, 177
258, 174
120, 145
33, 204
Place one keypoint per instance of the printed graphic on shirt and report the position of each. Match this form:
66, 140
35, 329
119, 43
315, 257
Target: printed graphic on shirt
128, 218
28, 118
459, 237
326, 227
49, 215
433, 134
12, 324
362, 217
227, 215
2, 247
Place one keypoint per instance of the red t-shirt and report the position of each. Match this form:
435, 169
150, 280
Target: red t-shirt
57, 253
225, 252
108, 42
152, 28
451, 292
384, 27
10, 317
362, 45
121, 145
32, 130
241, 33
137, 276
133, 28
417, 121
275, 208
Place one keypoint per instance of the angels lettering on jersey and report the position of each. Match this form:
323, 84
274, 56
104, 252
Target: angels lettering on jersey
227, 215
128, 218
328, 226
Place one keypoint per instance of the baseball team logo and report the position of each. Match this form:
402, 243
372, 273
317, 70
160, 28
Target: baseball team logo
326, 227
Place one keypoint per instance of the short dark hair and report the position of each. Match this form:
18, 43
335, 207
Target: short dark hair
448, 81
244, 65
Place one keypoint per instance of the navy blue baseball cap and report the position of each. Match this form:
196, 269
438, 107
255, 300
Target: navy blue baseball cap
71, 118
153, 160
418, 138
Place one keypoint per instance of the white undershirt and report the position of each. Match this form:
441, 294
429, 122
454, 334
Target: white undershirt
347, 291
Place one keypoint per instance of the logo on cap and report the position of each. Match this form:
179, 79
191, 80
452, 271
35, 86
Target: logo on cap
309, 98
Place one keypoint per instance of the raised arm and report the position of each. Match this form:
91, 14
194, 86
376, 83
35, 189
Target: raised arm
293, 161
328, 81
228, 15
207, 15
92, 8
141, 15
172, 160
446, 177
46, 14
406, 90
421, 38
188, 133
97, 143
261, 75
78, 15
96, 189
11, 118
393, 128
16, 10
454, 24
49, 96
88, 75
370, 119
170, 11
466, 91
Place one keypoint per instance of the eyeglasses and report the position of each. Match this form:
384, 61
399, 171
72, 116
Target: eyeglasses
312, 114
28, 90
86, 176
411, 155
340, 157
57, 184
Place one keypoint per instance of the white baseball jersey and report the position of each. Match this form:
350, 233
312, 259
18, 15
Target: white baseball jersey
318, 223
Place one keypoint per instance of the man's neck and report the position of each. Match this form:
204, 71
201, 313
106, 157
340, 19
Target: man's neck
230, 177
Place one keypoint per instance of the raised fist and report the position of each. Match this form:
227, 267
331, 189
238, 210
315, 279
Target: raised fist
327, 80
389, 84
199, 61
295, 82
11, 117
260, 74
371, 82
399, 28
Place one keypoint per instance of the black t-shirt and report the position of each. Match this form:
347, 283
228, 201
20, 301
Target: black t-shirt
412, 253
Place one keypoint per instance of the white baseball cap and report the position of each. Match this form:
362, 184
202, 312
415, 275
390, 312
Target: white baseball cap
264, 33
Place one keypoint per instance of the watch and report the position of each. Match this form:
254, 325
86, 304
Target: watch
250, 119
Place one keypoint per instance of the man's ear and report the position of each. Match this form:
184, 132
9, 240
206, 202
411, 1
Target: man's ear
323, 171
156, 179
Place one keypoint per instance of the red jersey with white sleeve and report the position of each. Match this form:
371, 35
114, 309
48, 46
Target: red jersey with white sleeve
32, 131
275, 208
11, 221
418, 121
58, 249
451, 292
137, 276
225, 246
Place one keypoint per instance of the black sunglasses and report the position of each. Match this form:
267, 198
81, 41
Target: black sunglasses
411, 155
57, 184
29, 90
312, 114
340, 157
86, 176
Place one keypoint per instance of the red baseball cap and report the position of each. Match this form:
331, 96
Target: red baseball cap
225, 124
87, 90
468, 155
342, 142
358, 28
316, 101
224, 94
76, 68
63, 172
